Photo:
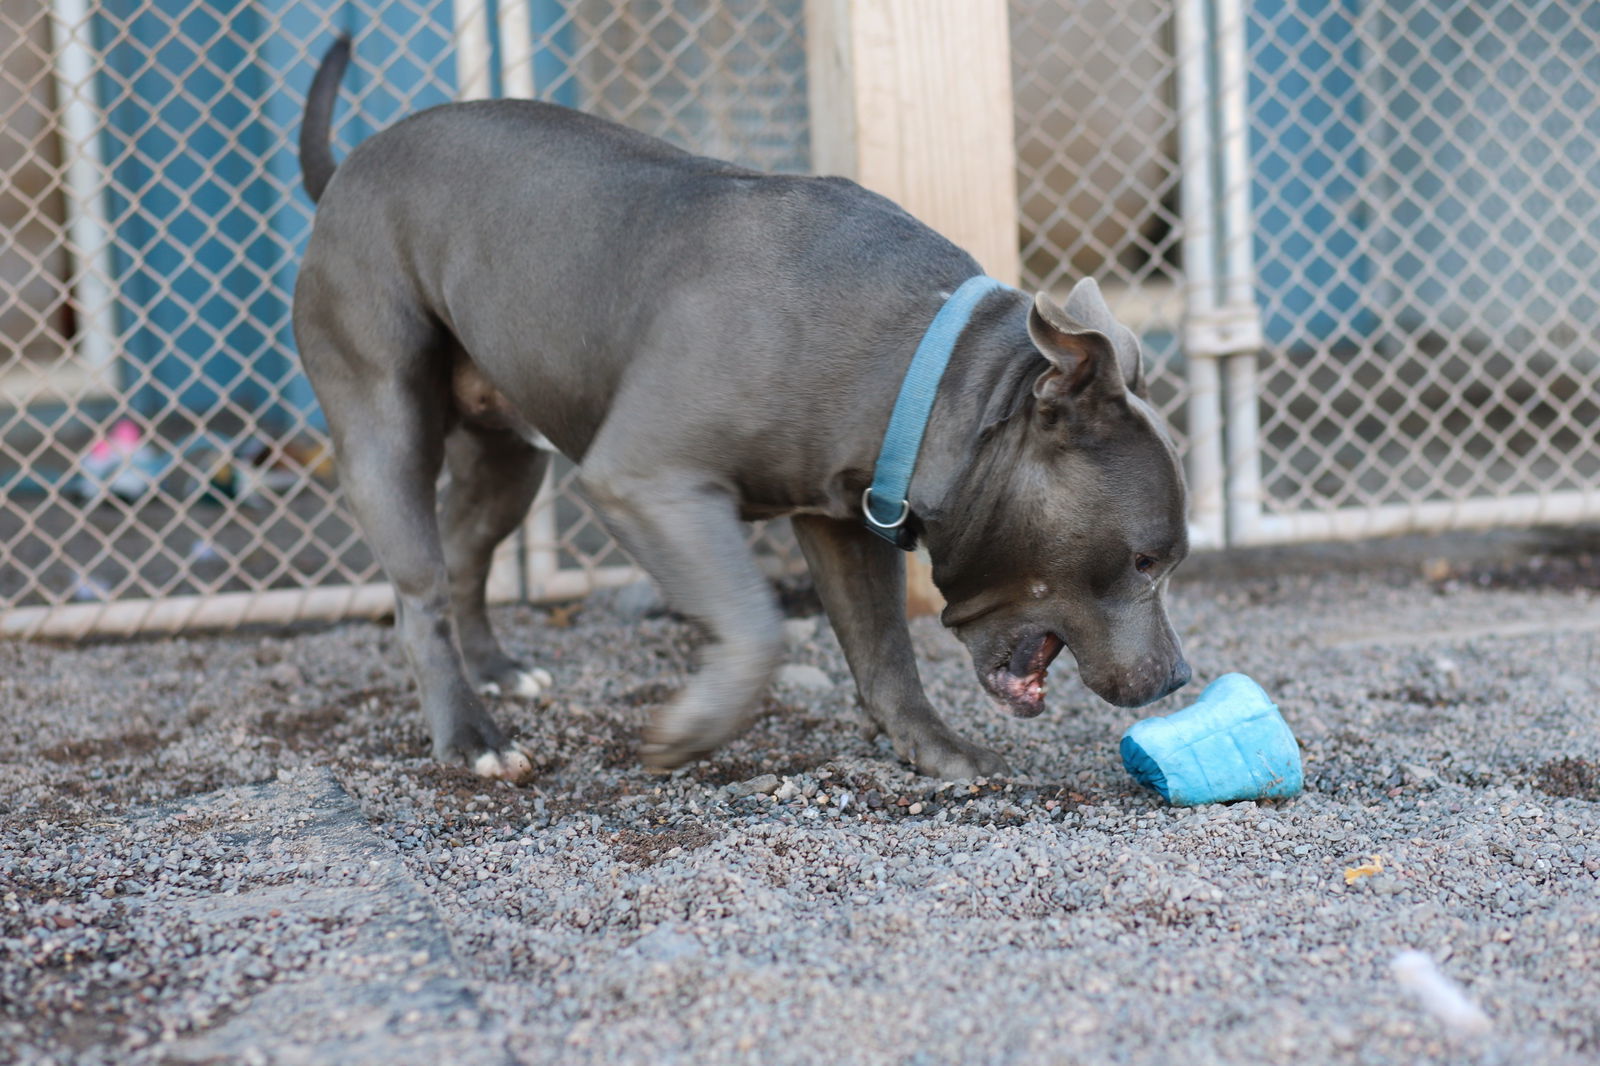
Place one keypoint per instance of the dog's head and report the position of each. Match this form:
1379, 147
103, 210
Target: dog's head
1074, 519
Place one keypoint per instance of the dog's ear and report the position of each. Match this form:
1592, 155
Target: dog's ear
1083, 361
1086, 304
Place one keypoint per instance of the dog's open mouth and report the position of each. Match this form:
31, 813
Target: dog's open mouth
1018, 684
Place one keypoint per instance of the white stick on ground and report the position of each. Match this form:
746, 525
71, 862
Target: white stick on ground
1439, 995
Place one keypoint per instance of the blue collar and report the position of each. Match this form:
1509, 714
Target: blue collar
884, 503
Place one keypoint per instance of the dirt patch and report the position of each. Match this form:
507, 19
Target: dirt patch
459, 786
1568, 561
772, 739
463, 800
646, 849
618, 744
1569, 778
730, 770
1416, 696
321, 729
103, 749
303, 731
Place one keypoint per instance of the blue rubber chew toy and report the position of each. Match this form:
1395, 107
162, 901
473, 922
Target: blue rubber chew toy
1230, 744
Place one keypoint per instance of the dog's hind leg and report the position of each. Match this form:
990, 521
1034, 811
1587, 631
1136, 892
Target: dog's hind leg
861, 581
494, 476
381, 382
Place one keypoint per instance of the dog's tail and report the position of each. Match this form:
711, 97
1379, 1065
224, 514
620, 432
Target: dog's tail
316, 128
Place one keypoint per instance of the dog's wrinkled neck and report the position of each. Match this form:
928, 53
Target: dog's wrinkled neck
987, 384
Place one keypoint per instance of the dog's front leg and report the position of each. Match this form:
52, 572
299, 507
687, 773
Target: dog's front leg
686, 531
861, 580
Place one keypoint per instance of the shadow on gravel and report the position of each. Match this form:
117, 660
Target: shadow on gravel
1569, 778
1568, 561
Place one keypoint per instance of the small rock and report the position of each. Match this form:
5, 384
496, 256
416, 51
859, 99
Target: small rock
1417, 775
286, 675
803, 676
797, 631
667, 944
766, 784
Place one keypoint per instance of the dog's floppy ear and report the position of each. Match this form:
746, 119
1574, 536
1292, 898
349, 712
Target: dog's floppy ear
1086, 304
1083, 362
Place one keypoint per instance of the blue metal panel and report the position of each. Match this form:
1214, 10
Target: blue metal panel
1436, 175
1306, 115
1488, 129
203, 101
552, 49
182, 144
408, 83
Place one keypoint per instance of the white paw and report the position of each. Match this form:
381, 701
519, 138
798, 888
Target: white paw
532, 683
509, 765
526, 684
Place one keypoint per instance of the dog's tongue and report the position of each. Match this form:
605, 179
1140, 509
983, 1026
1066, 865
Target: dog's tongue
1023, 678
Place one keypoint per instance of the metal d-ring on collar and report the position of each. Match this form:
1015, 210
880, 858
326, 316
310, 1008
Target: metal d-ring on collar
866, 511
891, 478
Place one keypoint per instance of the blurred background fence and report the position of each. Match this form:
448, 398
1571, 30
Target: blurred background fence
1368, 305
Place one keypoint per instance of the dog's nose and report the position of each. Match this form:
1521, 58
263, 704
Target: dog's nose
1181, 673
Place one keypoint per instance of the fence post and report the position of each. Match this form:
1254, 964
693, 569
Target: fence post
89, 242
1222, 331
1206, 468
474, 55
913, 100
1239, 273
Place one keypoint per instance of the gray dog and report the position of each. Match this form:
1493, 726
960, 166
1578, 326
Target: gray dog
709, 344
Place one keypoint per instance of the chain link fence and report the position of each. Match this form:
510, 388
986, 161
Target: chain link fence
1424, 219
162, 460
1427, 203
1097, 167
1422, 212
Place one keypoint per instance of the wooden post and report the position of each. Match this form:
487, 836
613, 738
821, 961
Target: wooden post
912, 98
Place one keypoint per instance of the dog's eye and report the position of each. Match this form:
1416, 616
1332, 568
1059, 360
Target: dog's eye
1143, 563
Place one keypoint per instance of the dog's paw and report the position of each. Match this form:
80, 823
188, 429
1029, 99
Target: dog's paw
951, 758
975, 761
680, 734
663, 754
518, 683
510, 764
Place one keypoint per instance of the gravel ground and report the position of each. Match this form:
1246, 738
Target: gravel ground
232, 849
